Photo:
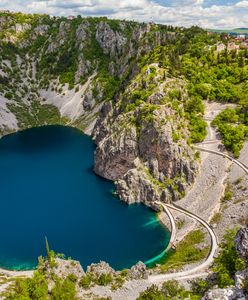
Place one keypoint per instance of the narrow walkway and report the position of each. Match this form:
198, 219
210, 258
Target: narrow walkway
168, 213
242, 165
197, 271
173, 226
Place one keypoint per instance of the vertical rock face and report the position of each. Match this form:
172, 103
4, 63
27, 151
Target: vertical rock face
138, 271
112, 42
116, 154
241, 243
100, 269
222, 294
136, 149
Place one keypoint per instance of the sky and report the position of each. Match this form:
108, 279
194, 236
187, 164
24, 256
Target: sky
219, 14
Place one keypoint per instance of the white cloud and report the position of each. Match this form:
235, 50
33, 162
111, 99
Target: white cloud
179, 12
242, 4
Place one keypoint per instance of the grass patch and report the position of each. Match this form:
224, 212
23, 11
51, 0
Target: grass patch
186, 252
180, 223
216, 218
228, 194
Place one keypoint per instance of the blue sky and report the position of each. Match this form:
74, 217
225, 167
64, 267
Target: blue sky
204, 13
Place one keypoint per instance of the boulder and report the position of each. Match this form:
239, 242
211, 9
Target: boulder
241, 243
101, 268
138, 271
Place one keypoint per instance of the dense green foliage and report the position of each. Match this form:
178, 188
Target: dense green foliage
170, 290
233, 127
64, 290
210, 75
35, 288
225, 266
228, 262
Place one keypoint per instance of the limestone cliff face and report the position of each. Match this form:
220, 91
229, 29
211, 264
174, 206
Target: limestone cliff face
136, 149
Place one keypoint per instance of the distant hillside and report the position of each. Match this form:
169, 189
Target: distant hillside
233, 31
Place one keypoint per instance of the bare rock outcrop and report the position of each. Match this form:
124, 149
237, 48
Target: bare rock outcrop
66, 267
116, 154
241, 243
112, 42
222, 294
138, 271
101, 268
145, 163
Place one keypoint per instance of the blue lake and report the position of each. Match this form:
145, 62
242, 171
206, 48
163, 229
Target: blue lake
48, 188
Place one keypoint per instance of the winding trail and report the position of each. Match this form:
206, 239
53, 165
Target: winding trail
237, 162
197, 271
173, 231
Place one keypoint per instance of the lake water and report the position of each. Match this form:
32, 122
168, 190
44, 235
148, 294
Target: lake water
48, 188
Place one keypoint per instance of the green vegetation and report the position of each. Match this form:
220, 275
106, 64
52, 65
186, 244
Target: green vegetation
36, 288
233, 127
228, 194
225, 266
64, 289
186, 252
170, 290
31, 288
216, 218
151, 293
187, 62
115, 281
228, 262
36, 114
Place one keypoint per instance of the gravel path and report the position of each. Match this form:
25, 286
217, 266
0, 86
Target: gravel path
204, 197
187, 274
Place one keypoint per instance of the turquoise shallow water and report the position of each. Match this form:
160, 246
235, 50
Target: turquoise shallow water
48, 188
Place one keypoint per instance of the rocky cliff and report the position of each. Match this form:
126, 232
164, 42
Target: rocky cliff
142, 147
109, 78
240, 289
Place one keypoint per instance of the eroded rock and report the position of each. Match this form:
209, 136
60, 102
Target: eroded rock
241, 243
138, 271
101, 268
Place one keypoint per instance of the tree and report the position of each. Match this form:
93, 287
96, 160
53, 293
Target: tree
228, 262
151, 293
64, 290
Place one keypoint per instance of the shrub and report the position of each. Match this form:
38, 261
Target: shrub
35, 288
245, 285
8, 95
151, 293
171, 289
228, 262
64, 290
85, 282
104, 279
